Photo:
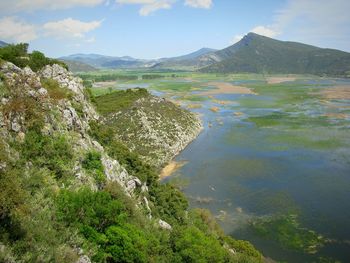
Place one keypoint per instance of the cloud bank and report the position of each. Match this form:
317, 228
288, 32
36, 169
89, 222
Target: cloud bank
32, 5
70, 28
13, 29
150, 6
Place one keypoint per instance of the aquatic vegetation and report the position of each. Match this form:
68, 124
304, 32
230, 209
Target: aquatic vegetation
288, 232
173, 86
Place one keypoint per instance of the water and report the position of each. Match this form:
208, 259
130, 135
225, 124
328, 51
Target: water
246, 170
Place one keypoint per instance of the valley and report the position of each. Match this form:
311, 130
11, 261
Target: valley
272, 161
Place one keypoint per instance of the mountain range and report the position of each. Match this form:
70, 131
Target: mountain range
253, 54
3, 44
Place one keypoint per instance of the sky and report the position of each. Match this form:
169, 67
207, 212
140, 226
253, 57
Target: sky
166, 28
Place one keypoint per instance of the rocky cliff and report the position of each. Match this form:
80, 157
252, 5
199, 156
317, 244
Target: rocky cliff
69, 116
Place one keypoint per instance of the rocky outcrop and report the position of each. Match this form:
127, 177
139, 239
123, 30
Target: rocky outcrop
156, 129
60, 117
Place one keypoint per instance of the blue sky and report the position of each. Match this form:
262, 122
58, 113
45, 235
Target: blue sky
165, 28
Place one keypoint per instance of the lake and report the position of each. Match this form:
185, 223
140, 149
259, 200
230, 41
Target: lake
274, 168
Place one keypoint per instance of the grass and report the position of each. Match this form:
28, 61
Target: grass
118, 100
174, 86
55, 91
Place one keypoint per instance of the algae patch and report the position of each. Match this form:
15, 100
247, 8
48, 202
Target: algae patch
287, 231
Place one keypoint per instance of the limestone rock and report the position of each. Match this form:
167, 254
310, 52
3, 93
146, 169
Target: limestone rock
83, 259
164, 225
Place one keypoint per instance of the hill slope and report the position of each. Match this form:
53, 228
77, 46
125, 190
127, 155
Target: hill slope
3, 44
72, 192
76, 66
195, 59
101, 61
259, 54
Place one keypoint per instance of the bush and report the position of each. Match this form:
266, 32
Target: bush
93, 164
192, 245
55, 91
171, 204
106, 223
18, 55
37, 61
53, 152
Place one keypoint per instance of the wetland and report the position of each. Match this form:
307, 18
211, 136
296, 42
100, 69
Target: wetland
273, 161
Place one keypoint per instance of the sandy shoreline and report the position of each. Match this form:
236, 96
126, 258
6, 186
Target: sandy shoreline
337, 92
276, 80
104, 84
170, 168
226, 88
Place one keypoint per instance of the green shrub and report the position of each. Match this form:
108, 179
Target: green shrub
171, 204
55, 91
106, 223
192, 245
93, 164
53, 152
126, 244
38, 61
18, 55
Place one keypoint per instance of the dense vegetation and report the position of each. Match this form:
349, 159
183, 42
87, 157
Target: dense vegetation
108, 77
118, 100
18, 55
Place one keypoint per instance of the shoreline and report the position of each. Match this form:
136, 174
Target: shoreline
171, 168
172, 165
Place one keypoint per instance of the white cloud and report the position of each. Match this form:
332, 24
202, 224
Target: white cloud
149, 6
265, 31
70, 28
13, 29
236, 38
319, 22
199, 3
91, 40
32, 5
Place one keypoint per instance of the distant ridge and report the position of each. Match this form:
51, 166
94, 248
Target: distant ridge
260, 54
101, 61
76, 66
193, 55
3, 44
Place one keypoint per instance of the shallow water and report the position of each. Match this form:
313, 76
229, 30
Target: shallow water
278, 156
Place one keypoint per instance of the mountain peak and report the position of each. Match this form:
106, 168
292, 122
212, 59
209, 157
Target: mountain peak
255, 53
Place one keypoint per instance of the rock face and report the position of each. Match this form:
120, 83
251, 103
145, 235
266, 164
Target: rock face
156, 129
60, 117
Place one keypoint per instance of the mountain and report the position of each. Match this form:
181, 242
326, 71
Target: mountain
3, 44
76, 66
191, 60
193, 55
101, 61
260, 54
195, 59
